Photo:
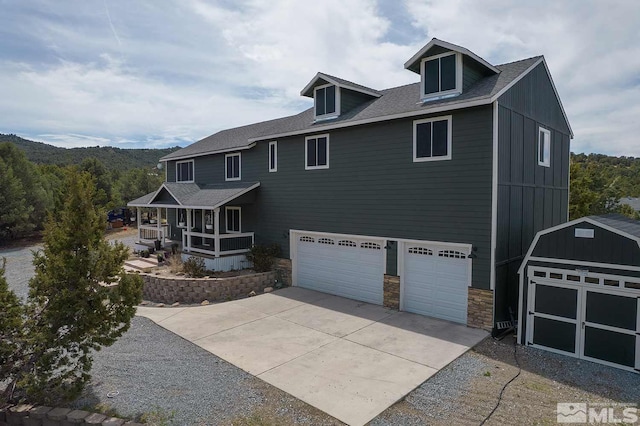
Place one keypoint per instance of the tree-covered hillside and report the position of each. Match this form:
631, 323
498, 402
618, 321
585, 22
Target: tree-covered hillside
113, 158
599, 181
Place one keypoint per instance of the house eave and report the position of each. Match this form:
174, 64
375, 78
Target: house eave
210, 152
454, 47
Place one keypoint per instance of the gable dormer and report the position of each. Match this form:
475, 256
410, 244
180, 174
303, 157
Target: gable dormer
447, 70
333, 96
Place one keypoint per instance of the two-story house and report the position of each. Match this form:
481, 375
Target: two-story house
423, 197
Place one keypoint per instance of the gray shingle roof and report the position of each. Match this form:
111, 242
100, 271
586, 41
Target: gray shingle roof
619, 222
394, 101
195, 195
340, 81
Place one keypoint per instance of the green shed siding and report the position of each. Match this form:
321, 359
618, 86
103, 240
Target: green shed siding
530, 197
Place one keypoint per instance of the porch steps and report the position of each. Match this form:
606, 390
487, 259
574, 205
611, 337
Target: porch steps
142, 265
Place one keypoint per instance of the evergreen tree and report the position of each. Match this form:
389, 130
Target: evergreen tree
79, 300
14, 210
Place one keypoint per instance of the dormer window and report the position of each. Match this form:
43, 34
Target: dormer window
327, 104
441, 76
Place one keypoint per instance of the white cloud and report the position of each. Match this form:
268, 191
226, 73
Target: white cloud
153, 75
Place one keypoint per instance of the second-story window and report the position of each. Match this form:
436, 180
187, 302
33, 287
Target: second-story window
184, 171
325, 101
317, 152
432, 139
544, 147
232, 166
273, 156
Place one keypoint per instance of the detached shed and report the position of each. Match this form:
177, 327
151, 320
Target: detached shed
580, 291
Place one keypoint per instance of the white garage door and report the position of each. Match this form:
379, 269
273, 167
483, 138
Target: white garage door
436, 281
344, 266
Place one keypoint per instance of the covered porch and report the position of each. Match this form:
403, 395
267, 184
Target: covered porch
202, 219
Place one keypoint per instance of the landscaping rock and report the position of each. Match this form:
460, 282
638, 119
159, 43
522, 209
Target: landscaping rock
95, 419
17, 413
175, 304
76, 417
160, 305
39, 412
144, 303
204, 303
113, 421
253, 293
268, 289
56, 416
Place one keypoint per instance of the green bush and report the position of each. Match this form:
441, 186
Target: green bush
263, 256
194, 267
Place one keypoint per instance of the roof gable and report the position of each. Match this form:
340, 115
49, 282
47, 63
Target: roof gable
322, 78
436, 47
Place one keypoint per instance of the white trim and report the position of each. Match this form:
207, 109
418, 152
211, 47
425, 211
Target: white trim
226, 220
336, 106
546, 145
193, 171
336, 83
450, 46
425, 97
494, 198
273, 144
449, 120
434, 110
215, 151
528, 256
316, 137
226, 171
583, 263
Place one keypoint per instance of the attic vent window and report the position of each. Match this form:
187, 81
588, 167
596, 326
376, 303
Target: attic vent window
326, 101
441, 76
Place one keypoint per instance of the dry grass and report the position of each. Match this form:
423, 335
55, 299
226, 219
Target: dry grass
174, 263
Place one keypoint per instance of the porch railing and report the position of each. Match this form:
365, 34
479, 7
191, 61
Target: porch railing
224, 244
150, 233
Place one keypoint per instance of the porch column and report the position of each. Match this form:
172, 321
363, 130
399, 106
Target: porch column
139, 221
216, 231
188, 230
158, 225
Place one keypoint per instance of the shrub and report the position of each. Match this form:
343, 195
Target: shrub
194, 267
263, 256
174, 263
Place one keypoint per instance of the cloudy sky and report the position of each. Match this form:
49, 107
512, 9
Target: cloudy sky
160, 73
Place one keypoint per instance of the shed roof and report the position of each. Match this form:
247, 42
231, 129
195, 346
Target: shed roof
621, 223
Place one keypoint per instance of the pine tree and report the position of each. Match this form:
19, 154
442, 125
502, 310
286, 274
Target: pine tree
80, 299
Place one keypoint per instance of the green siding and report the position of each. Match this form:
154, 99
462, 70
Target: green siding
373, 187
472, 72
350, 99
530, 197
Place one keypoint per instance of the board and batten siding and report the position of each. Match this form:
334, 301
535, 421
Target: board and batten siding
530, 197
373, 187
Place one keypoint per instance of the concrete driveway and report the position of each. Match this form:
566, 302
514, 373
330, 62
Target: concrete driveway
349, 359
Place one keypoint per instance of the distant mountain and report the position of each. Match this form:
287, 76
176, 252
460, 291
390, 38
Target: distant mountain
113, 158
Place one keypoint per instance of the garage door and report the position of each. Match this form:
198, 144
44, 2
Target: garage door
345, 266
435, 281
589, 316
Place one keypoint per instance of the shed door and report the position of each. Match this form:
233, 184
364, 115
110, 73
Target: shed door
553, 317
351, 267
610, 327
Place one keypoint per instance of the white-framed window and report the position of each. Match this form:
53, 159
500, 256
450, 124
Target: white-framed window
544, 147
232, 165
273, 156
232, 218
432, 139
327, 101
316, 152
184, 171
441, 76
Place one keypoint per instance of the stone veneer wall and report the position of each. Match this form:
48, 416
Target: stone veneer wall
391, 288
480, 309
29, 415
195, 290
283, 268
